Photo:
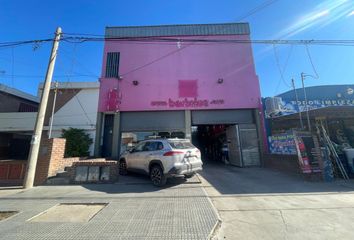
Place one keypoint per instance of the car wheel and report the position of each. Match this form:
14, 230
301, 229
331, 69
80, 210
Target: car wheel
123, 167
157, 177
189, 175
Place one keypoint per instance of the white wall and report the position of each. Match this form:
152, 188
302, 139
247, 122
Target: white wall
76, 116
17, 121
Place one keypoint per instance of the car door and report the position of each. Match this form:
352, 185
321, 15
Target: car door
153, 151
135, 155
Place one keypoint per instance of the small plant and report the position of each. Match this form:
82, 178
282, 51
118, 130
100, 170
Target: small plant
77, 142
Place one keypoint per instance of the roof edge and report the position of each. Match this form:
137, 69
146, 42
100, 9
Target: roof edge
230, 28
18, 93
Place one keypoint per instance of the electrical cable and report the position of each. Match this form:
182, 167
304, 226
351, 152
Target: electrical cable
194, 40
12, 66
312, 64
248, 14
60, 116
279, 67
69, 82
284, 69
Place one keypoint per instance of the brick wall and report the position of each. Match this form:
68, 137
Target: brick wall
51, 159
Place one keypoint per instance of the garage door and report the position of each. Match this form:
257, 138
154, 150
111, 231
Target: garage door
221, 117
152, 121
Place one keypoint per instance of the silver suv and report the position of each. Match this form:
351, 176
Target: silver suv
161, 159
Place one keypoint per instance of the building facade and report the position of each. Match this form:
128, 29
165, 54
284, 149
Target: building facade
192, 81
75, 106
17, 116
333, 105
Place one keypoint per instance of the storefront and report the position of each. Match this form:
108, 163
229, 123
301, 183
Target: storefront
328, 112
208, 93
333, 105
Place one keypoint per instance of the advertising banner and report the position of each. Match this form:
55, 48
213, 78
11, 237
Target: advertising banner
297, 143
309, 162
282, 144
317, 97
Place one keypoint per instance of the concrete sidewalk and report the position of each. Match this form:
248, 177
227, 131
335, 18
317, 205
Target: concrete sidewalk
135, 210
257, 203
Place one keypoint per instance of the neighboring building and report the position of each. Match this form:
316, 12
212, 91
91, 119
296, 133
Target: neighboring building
332, 104
17, 115
75, 106
207, 91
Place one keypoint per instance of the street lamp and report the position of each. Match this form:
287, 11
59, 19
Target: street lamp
303, 76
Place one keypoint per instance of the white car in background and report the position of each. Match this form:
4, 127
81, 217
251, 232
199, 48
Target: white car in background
161, 159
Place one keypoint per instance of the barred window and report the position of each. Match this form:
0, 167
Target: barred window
112, 65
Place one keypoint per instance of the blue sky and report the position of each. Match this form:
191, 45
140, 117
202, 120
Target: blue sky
23, 67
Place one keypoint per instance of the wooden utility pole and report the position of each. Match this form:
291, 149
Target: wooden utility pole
36, 137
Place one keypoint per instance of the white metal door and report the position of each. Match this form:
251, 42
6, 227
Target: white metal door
249, 143
232, 135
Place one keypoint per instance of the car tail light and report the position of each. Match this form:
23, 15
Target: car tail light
172, 153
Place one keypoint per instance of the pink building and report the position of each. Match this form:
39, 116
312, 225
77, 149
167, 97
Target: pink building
192, 81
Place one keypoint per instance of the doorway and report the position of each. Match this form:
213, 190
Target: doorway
234, 144
211, 140
107, 135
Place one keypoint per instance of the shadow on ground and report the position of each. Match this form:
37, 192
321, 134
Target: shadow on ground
132, 185
137, 183
234, 180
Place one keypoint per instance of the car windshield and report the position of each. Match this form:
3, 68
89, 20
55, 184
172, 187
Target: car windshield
181, 144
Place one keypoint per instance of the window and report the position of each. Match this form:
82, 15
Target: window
112, 65
153, 146
181, 144
24, 107
140, 147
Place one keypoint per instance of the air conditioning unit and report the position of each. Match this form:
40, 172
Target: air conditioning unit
273, 105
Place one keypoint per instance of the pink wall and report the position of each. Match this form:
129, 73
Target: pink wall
162, 83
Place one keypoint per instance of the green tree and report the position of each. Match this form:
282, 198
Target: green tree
77, 142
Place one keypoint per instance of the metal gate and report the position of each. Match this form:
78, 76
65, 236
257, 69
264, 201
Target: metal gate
152, 121
243, 145
249, 142
212, 117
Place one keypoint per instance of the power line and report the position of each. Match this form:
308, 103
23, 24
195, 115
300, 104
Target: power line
25, 42
257, 9
59, 116
152, 62
284, 67
214, 40
312, 64
240, 18
279, 67
79, 39
76, 61
42, 76
69, 82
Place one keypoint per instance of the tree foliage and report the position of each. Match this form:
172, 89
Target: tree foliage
77, 142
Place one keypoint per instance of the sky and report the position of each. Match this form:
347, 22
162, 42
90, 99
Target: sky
25, 66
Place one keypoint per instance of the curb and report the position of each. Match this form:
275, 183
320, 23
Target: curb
217, 225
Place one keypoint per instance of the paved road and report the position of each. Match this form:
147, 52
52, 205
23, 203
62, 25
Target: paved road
263, 204
135, 210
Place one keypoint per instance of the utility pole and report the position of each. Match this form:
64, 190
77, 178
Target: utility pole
36, 137
53, 109
297, 103
306, 105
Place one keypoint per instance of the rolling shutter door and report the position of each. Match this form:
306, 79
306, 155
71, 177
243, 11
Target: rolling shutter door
212, 117
152, 121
